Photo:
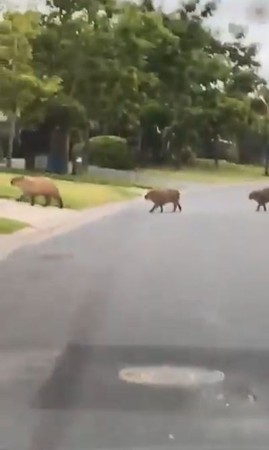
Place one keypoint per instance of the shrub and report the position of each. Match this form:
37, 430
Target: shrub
111, 152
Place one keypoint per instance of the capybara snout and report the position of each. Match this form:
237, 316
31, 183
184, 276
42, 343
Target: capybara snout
15, 180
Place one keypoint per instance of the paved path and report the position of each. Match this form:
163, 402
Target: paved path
47, 222
134, 289
37, 217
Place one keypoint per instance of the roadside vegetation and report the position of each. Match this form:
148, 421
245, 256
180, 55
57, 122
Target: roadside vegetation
8, 226
131, 86
205, 172
76, 195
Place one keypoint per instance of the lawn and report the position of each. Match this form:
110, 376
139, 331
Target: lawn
76, 195
205, 172
8, 226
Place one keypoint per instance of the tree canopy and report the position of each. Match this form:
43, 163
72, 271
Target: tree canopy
163, 81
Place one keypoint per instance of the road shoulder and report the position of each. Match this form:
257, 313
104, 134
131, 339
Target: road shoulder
44, 224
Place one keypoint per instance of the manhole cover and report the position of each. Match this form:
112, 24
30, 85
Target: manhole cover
171, 376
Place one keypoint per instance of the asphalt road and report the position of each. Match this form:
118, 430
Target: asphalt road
134, 289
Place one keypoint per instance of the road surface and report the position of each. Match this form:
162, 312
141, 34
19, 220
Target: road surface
187, 291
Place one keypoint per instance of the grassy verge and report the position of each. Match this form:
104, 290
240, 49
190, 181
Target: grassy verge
8, 226
76, 195
205, 172
84, 178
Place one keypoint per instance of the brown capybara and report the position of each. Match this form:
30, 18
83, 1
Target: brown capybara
261, 197
160, 198
37, 186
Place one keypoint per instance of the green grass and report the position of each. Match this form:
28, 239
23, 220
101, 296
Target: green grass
84, 178
8, 226
76, 195
205, 172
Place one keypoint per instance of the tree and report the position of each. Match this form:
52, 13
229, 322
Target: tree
102, 63
160, 80
18, 82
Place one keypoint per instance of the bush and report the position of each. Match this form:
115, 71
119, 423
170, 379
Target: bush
111, 152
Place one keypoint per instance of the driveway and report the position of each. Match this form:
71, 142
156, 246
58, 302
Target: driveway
116, 297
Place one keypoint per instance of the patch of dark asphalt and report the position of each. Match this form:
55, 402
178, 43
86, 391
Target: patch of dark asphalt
56, 256
87, 377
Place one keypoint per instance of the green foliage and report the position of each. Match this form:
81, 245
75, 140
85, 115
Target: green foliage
153, 114
130, 70
19, 84
20, 87
259, 106
111, 152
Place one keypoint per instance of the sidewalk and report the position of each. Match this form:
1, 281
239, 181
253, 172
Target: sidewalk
47, 222
37, 217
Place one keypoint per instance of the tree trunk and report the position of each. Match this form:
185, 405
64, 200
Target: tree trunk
266, 161
59, 151
86, 150
29, 161
266, 149
216, 152
11, 137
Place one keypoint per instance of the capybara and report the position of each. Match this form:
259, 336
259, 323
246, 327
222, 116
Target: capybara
37, 186
261, 197
160, 198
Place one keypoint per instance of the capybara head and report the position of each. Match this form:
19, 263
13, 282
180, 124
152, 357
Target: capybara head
253, 195
16, 181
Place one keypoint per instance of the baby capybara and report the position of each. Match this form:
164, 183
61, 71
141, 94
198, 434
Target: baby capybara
37, 186
161, 197
261, 197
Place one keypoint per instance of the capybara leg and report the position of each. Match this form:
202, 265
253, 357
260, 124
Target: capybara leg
161, 207
258, 207
47, 200
153, 208
32, 200
21, 198
175, 207
179, 206
60, 201
264, 207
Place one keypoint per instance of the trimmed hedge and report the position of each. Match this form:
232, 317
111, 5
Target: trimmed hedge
111, 152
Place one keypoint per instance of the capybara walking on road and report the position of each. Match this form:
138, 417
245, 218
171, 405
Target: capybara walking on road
261, 197
160, 198
37, 186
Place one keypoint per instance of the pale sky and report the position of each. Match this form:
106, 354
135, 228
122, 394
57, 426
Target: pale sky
235, 11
